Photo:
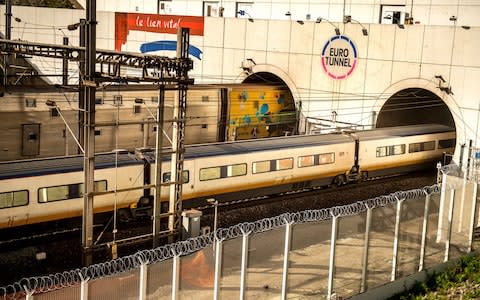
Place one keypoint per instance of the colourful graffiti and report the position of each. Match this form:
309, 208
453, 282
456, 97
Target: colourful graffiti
260, 112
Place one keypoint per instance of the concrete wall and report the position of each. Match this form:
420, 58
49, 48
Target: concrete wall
426, 12
390, 59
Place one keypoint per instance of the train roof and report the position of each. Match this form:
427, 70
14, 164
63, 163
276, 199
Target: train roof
297, 141
44, 166
36, 167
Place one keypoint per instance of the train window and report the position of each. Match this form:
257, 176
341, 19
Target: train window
261, 167
390, 150
137, 109
210, 173
284, 164
315, 160
326, 158
306, 161
30, 102
154, 99
272, 165
186, 176
236, 170
205, 99
69, 191
99, 101
13, 199
223, 172
424, 146
450, 143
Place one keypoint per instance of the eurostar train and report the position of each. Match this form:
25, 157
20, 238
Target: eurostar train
34, 191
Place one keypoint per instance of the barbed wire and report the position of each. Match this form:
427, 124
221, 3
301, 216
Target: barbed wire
52, 282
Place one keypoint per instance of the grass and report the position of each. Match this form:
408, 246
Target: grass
459, 282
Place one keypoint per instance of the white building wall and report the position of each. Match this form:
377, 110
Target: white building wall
426, 12
390, 59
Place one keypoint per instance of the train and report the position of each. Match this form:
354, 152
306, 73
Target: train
215, 113
49, 189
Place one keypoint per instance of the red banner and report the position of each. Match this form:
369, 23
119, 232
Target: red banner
124, 22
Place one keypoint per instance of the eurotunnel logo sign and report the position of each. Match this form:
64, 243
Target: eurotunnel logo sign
339, 57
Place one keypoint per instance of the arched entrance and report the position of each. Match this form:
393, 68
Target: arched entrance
263, 106
414, 106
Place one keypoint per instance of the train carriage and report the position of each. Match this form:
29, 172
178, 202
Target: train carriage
39, 190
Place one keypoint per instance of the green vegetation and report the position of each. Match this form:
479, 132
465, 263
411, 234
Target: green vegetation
459, 282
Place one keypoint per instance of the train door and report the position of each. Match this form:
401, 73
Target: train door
30, 139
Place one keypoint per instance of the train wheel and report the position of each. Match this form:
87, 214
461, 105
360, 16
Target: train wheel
339, 180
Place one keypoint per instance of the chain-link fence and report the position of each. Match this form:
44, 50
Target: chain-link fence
313, 254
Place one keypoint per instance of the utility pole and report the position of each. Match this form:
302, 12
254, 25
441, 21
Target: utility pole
89, 158
157, 204
81, 89
178, 135
8, 36
8, 19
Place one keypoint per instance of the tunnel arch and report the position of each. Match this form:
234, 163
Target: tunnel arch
414, 106
441, 102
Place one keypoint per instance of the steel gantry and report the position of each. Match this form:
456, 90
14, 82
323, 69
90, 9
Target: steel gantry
97, 66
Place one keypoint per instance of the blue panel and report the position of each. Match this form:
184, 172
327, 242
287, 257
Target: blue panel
169, 46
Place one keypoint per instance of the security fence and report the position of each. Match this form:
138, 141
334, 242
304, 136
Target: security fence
314, 254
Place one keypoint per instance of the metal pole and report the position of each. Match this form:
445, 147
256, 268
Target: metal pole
178, 132
218, 269
442, 207
243, 271
81, 89
157, 204
366, 245
176, 277
331, 269
473, 210
142, 293
8, 20
396, 239
424, 232
462, 198
84, 287
286, 252
449, 229
65, 63
89, 160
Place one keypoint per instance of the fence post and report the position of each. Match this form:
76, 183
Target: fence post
333, 243
443, 191
218, 267
366, 245
176, 277
449, 229
243, 275
84, 287
462, 200
472, 216
28, 294
424, 231
286, 252
395, 240
142, 293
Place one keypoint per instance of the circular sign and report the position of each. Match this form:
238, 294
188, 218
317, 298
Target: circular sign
339, 57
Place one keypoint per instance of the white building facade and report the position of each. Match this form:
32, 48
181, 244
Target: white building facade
348, 69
